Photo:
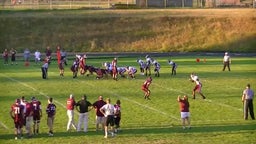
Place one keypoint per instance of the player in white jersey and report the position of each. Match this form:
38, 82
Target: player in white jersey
198, 87
157, 68
226, 61
131, 71
142, 65
121, 71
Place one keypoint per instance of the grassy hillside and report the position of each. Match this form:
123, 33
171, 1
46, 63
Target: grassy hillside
130, 30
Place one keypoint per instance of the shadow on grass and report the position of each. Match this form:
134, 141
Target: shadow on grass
56, 135
196, 129
151, 130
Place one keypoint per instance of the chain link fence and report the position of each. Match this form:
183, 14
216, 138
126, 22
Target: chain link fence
101, 4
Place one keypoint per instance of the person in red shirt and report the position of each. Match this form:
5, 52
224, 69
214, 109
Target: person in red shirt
145, 87
184, 110
17, 114
114, 69
5, 56
100, 119
58, 55
37, 114
70, 112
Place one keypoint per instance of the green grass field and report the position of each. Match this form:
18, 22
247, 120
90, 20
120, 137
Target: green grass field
218, 119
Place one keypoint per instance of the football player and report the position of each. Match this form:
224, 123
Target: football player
17, 114
145, 88
37, 114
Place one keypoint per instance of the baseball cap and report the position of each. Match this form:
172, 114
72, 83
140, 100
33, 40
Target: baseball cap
226, 53
71, 96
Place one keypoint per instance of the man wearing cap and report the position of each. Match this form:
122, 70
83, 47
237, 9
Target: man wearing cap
100, 119
226, 61
70, 112
83, 106
247, 99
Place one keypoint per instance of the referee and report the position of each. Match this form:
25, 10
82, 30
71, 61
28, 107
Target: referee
226, 61
247, 99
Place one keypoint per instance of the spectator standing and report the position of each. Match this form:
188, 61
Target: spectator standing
58, 54
51, 111
26, 56
63, 56
83, 107
13, 56
226, 61
184, 111
70, 112
100, 118
6, 57
108, 110
17, 114
37, 56
247, 99
48, 53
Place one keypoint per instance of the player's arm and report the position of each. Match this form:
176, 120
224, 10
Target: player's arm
78, 104
11, 114
243, 97
102, 110
41, 113
179, 99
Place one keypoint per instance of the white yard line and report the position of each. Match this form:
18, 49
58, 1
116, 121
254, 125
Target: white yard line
34, 89
127, 99
141, 105
3, 125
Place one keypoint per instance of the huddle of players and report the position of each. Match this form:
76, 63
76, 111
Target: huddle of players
112, 68
25, 113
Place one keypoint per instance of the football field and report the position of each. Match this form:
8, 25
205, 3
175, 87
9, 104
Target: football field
217, 119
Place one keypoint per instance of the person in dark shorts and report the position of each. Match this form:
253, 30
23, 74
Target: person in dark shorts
109, 111
247, 99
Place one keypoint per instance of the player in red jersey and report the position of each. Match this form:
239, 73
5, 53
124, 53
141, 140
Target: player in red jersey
29, 118
117, 116
37, 114
184, 110
17, 114
70, 112
114, 69
145, 87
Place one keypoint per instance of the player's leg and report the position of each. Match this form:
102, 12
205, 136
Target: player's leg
80, 120
85, 122
228, 65
250, 107
246, 109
